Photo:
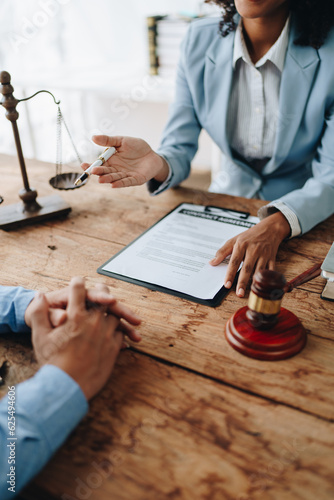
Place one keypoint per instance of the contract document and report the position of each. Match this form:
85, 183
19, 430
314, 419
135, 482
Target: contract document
173, 255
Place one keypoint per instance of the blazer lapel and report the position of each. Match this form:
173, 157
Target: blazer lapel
297, 78
218, 77
218, 73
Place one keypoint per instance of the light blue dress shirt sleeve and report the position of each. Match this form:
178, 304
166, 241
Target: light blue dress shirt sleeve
13, 304
48, 407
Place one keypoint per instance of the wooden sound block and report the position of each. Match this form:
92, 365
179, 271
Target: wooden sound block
285, 339
14, 216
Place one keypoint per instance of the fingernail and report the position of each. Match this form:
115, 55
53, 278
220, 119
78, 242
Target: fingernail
228, 284
241, 292
213, 261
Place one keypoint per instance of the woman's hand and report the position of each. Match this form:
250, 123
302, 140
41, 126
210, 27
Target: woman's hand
134, 163
256, 248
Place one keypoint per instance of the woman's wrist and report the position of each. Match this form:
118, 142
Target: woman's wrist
163, 171
281, 225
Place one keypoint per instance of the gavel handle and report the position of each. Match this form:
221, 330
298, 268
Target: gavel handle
303, 278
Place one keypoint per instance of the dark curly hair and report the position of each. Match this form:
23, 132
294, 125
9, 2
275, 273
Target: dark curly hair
314, 19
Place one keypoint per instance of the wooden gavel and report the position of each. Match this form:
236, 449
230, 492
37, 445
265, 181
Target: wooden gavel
263, 329
267, 292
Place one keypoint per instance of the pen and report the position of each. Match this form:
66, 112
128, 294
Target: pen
107, 153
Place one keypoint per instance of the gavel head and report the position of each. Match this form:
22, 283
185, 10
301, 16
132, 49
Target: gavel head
265, 299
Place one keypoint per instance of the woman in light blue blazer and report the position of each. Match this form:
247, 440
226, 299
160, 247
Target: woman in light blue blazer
261, 83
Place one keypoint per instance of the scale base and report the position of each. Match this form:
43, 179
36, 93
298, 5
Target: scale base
285, 339
14, 216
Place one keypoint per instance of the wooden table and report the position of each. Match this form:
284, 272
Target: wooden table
184, 416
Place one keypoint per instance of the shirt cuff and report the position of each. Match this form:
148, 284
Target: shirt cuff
290, 216
156, 187
21, 302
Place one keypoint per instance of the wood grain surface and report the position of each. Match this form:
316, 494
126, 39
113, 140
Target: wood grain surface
161, 432
184, 415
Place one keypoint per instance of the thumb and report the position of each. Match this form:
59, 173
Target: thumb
40, 321
107, 141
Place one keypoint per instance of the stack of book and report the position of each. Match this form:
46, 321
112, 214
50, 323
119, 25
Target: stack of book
152, 43
165, 34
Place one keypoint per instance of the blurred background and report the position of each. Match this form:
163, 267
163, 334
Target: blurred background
95, 57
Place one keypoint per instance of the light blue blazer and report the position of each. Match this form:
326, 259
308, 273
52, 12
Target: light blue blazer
301, 171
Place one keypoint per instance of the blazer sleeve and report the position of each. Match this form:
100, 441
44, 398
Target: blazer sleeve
179, 142
314, 202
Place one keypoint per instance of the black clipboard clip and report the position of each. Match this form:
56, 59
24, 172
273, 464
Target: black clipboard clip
235, 213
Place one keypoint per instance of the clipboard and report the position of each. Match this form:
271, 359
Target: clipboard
174, 247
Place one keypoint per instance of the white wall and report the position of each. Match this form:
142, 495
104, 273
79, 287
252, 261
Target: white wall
93, 55
80, 32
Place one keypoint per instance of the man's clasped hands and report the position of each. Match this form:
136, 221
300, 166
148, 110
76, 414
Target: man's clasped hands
81, 331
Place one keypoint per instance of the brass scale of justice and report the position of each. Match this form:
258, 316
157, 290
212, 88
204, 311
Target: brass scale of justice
35, 210
261, 330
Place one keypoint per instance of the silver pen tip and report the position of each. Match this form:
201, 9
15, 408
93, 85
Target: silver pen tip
77, 182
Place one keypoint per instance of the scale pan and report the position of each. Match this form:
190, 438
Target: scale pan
66, 181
